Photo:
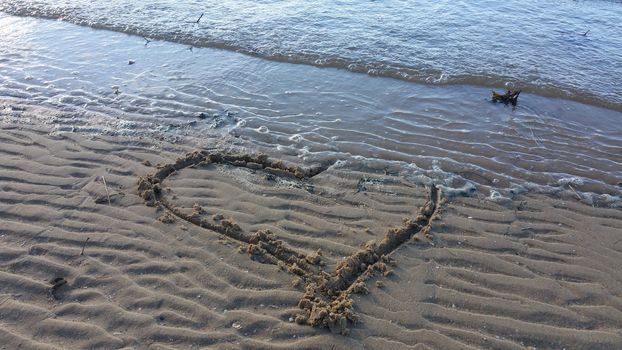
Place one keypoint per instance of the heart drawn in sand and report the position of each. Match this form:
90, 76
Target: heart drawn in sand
326, 301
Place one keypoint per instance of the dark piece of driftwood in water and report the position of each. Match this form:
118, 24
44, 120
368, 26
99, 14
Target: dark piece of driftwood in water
585, 34
201, 16
508, 97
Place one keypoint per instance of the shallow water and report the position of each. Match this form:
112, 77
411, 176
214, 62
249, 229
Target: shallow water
535, 45
449, 135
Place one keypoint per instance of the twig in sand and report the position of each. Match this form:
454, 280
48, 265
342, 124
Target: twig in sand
6, 298
106, 187
201, 16
575, 192
84, 245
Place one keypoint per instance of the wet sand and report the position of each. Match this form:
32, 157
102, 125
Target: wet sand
452, 135
541, 272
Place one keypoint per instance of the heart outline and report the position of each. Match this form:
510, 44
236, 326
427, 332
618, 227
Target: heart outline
326, 301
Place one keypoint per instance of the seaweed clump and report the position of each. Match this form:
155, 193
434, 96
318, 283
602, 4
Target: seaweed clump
510, 97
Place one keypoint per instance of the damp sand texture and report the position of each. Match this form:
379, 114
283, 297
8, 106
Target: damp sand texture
542, 274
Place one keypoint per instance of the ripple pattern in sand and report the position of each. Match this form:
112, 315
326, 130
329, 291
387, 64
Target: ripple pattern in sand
542, 274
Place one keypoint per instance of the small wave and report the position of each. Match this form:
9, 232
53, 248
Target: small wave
425, 135
555, 70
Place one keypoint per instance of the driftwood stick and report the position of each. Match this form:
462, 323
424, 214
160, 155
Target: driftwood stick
6, 298
201, 16
575, 192
106, 187
84, 245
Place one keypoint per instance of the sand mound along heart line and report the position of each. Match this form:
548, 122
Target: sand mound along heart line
326, 301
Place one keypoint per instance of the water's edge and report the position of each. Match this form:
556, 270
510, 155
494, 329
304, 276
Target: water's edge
398, 71
452, 136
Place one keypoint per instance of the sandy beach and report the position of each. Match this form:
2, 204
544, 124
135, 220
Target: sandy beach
541, 273
310, 175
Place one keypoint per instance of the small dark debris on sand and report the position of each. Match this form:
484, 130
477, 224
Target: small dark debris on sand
57, 283
219, 120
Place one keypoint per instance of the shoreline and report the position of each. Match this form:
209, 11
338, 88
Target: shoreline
454, 177
393, 71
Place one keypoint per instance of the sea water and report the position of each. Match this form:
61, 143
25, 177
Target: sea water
559, 48
394, 87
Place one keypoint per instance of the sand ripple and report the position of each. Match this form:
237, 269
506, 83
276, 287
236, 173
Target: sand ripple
542, 273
